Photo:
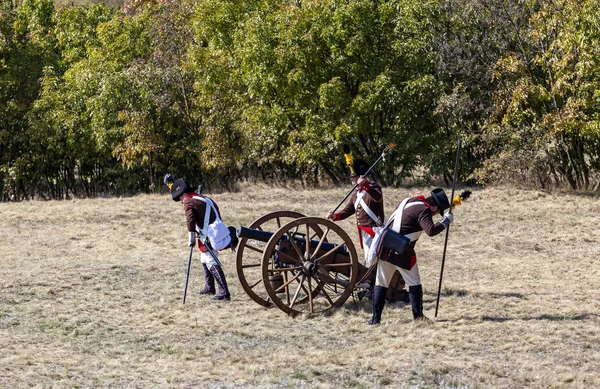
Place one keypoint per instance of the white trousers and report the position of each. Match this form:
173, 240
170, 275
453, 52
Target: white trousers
386, 270
367, 241
208, 260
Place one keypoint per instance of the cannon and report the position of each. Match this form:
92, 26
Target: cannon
302, 265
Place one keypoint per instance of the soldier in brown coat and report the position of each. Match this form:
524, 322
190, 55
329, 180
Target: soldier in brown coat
366, 203
197, 207
413, 216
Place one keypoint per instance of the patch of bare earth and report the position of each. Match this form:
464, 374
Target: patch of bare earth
90, 296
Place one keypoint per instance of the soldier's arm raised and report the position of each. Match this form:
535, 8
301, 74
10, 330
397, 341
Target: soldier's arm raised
427, 224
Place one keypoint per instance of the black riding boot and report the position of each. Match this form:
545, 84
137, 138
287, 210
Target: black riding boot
415, 293
209, 281
219, 276
379, 293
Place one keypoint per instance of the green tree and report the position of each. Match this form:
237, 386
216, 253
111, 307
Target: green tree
545, 124
319, 74
26, 48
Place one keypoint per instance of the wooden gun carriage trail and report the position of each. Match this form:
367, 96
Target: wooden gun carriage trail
303, 265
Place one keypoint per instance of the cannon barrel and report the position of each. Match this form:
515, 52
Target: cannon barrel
264, 236
250, 233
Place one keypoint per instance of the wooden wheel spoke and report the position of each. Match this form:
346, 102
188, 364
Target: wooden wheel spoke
251, 265
321, 242
294, 278
297, 290
282, 269
287, 289
329, 279
295, 260
293, 242
322, 285
256, 283
327, 254
310, 296
307, 242
344, 264
253, 248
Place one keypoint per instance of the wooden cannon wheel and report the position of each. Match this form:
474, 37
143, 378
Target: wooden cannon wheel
249, 255
316, 277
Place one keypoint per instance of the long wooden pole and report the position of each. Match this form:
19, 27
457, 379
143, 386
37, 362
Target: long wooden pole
437, 301
382, 156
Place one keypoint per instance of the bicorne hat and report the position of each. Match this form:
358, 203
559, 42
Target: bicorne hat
360, 167
440, 199
180, 187
177, 187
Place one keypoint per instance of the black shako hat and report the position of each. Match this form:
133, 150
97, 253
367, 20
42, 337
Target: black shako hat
360, 167
440, 199
180, 187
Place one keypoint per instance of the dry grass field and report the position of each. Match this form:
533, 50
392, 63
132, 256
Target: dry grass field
90, 296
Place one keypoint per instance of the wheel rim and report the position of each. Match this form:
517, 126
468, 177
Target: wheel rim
317, 278
249, 255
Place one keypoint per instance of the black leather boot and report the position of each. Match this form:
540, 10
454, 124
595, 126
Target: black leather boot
415, 293
379, 293
209, 281
219, 276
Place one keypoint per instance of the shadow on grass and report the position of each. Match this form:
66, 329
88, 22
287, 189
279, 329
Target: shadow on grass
464, 293
585, 194
507, 294
454, 292
583, 316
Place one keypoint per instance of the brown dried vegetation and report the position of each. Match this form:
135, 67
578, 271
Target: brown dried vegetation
90, 296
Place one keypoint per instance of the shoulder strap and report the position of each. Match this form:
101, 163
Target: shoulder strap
397, 215
209, 206
368, 211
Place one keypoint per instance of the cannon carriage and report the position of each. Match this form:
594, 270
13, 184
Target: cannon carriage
302, 265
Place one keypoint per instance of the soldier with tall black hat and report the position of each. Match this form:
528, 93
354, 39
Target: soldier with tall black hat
202, 215
411, 218
366, 203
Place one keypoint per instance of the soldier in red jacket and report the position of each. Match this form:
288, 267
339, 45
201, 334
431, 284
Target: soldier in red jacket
413, 216
201, 213
366, 203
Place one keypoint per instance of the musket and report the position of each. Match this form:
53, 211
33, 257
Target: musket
437, 301
382, 156
187, 277
211, 252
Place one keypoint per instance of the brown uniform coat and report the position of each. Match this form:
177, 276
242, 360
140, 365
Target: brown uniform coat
415, 218
374, 200
195, 210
